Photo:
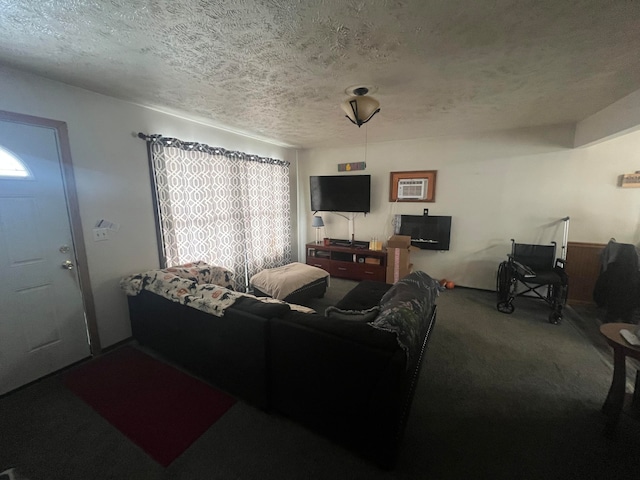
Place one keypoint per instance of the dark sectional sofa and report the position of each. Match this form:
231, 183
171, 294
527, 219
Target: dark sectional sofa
338, 374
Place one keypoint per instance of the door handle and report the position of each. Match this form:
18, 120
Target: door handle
67, 265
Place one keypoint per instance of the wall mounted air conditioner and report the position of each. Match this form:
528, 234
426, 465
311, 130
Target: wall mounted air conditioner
412, 188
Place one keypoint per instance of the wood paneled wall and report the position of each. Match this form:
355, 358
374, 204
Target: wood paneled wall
583, 268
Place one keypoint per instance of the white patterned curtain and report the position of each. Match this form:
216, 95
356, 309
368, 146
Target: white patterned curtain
226, 208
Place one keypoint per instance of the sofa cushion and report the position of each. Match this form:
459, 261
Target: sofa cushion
365, 295
261, 309
354, 315
359, 332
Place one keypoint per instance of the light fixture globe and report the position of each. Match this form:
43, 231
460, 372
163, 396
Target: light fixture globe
360, 108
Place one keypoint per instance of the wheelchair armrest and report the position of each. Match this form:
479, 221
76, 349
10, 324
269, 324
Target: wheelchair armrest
560, 263
522, 269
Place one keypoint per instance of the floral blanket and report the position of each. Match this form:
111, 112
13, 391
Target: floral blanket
208, 297
198, 272
198, 285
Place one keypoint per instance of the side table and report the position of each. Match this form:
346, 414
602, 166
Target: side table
615, 401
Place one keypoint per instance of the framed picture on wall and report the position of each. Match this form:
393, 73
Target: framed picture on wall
417, 186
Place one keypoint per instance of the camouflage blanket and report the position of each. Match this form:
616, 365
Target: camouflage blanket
405, 309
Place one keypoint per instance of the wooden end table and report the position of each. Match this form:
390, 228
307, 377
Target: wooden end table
617, 396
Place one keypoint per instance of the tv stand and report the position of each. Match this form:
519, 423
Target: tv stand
343, 260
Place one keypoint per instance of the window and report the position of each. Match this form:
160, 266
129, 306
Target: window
11, 166
229, 209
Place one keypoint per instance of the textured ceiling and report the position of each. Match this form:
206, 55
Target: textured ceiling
278, 69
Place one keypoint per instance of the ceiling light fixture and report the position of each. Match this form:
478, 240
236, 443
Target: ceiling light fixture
360, 108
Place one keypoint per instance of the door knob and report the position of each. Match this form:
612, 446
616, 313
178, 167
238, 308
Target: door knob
67, 265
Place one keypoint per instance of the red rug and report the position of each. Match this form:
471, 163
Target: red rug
160, 408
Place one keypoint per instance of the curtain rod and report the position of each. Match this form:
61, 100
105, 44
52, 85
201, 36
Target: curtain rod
202, 147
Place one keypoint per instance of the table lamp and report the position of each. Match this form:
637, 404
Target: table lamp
317, 223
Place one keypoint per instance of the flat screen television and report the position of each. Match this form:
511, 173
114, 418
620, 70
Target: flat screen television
340, 193
427, 232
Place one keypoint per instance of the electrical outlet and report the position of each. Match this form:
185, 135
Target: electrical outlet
100, 234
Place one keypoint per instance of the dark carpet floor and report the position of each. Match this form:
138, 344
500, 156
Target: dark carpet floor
499, 397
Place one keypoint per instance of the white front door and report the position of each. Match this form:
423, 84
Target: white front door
42, 318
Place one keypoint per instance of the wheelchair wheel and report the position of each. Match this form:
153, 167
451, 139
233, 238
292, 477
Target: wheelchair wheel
555, 318
557, 299
505, 307
503, 288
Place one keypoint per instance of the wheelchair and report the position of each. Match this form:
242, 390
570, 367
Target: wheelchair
529, 268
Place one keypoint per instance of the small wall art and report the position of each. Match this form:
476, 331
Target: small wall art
629, 180
348, 167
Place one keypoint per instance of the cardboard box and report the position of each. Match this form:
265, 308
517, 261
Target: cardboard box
399, 241
398, 257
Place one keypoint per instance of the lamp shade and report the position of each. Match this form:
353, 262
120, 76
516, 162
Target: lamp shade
360, 109
317, 222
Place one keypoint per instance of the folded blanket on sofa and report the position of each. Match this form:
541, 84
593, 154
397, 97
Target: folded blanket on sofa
198, 272
193, 285
207, 297
202, 273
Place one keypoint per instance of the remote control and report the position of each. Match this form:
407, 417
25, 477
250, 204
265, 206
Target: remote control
630, 337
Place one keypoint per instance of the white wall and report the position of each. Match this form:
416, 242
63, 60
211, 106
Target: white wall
617, 119
498, 186
113, 178
495, 186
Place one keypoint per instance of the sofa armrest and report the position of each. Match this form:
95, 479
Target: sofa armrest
340, 386
228, 351
345, 379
